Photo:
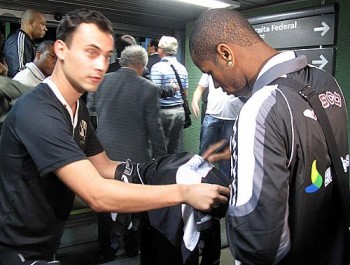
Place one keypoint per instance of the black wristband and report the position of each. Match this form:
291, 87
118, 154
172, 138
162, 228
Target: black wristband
127, 172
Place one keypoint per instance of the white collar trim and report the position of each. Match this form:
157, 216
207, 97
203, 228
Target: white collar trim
58, 94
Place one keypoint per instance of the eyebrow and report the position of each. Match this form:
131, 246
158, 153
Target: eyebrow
97, 47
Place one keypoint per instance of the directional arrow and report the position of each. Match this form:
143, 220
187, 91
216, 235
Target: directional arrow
324, 29
321, 62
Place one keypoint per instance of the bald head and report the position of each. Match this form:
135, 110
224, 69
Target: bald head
33, 23
29, 14
217, 26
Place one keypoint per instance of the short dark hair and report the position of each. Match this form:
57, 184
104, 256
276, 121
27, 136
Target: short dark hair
43, 46
217, 26
73, 19
154, 43
124, 41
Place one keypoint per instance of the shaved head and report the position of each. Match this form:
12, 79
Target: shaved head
29, 14
217, 26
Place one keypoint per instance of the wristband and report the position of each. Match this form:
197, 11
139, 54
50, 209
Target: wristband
128, 172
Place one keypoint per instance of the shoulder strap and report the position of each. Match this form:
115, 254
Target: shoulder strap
178, 79
179, 82
341, 179
278, 70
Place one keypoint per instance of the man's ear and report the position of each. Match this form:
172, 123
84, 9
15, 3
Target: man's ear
60, 48
225, 53
30, 23
37, 55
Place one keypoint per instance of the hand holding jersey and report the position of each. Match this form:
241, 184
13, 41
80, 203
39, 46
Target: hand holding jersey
179, 224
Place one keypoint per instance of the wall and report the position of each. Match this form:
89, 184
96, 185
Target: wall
342, 58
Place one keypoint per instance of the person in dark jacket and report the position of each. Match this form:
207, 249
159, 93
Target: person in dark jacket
152, 53
128, 127
19, 47
284, 206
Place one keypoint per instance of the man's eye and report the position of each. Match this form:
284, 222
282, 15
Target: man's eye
91, 52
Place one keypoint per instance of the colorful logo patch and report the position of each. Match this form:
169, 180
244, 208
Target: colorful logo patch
316, 179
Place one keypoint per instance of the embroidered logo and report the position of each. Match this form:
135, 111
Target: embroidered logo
345, 162
328, 177
316, 179
124, 179
328, 99
309, 113
82, 131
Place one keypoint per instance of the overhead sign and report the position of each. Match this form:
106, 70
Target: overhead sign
322, 58
299, 32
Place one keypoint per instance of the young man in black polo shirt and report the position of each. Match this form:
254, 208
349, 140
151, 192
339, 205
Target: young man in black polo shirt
49, 150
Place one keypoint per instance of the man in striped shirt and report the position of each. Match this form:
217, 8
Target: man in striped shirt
171, 110
19, 47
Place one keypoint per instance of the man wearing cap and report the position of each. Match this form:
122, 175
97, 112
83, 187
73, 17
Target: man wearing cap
171, 110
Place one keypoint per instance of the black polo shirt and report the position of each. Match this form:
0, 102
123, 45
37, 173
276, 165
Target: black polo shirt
37, 138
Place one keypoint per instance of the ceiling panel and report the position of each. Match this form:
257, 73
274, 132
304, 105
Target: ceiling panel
162, 14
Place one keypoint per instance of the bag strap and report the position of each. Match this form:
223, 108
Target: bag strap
278, 70
183, 95
341, 179
179, 82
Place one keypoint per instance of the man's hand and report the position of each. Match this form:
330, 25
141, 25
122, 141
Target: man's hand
205, 197
3, 69
218, 152
175, 86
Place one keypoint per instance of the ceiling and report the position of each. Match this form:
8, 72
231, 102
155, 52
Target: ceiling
155, 14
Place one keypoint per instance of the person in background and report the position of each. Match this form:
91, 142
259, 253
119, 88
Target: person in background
284, 206
171, 110
152, 53
10, 90
3, 64
128, 127
121, 42
19, 47
49, 151
221, 113
42, 66
220, 116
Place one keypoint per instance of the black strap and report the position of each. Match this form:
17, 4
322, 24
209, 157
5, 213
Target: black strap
278, 70
179, 82
341, 179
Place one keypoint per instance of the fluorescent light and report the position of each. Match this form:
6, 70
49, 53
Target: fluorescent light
213, 3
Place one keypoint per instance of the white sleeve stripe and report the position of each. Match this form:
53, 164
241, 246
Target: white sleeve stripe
20, 50
247, 168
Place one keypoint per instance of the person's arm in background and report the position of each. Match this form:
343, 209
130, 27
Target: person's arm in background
156, 77
168, 91
152, 121
203, 84
11, 89
3, 69
196, 98
91, 105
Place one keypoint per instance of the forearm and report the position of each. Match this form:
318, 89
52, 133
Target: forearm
166, 91
139, 198
105, 166
11, 89
112, 195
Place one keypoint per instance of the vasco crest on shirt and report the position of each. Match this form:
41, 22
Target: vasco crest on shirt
82, 131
